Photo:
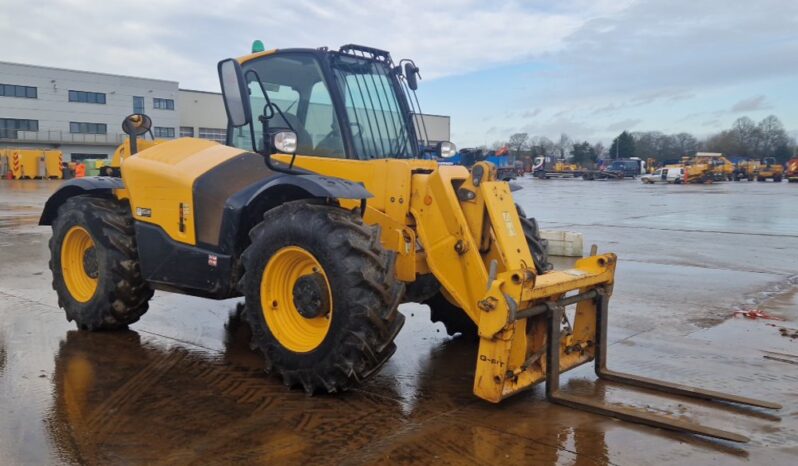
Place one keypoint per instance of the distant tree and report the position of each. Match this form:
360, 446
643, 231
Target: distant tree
773, 139
686, 143
541, 146
518, 142
563, 146
583, 153
747, 139
623, 146
599, 149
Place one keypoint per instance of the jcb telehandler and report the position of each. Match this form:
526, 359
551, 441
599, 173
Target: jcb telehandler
320, 213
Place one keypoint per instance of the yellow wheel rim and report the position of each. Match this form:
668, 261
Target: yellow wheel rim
278, 296
77, 255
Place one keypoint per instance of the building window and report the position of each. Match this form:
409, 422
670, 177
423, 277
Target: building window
214, 134
161, 132
87, 128
9, 127
163, 104
12, 90
87, 97
19, 125
78, 157
186, 132
138, 104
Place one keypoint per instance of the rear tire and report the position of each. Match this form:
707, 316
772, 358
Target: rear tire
455, 319
105, 289
364, 296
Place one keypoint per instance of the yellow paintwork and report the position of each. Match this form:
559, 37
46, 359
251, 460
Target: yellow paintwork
123, 150
767, 170
24, 163
76, 243
292, 330
458, 241
389, 181
253, 56
792, 169
161, 178
563, 167
719, 165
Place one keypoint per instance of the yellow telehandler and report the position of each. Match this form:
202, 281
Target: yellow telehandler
323, 214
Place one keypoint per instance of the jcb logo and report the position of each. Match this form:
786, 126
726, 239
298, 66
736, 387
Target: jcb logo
484, 358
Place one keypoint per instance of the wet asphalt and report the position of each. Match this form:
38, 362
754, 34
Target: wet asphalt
181, 386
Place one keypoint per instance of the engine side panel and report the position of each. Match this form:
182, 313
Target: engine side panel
160, 182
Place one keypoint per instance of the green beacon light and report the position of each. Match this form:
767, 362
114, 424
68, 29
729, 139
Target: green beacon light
257, 46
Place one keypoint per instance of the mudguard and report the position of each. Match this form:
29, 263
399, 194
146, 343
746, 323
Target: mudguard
76, 187
317, 186
247, 206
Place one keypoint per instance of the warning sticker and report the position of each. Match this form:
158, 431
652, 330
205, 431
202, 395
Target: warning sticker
508, 223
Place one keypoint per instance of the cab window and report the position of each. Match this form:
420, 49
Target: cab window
295, 86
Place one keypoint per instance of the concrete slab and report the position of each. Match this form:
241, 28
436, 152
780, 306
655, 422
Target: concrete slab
182, 386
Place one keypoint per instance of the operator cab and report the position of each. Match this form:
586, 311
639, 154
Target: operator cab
351, 103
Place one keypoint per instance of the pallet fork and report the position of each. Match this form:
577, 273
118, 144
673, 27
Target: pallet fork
553, 393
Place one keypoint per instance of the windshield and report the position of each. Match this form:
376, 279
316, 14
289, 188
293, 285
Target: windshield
378, 126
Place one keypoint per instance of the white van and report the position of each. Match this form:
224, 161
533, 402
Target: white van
664, 175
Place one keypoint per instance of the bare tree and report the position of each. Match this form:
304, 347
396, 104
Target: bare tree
518, 142
564, 145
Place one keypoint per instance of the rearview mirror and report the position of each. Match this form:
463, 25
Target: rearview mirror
234, 93
411, 75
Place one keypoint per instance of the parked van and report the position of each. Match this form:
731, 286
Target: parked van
673, 175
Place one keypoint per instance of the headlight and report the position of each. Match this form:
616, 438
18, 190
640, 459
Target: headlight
446, 149
285, 142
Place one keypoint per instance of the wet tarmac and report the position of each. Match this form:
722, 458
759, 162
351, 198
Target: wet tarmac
183, 387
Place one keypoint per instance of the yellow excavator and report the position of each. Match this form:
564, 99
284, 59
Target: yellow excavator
323, 214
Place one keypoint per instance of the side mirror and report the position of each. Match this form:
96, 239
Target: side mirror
411, 75
446, 149
234, 93
134, 126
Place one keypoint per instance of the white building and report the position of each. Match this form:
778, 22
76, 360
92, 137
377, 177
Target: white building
81, 112
202, 115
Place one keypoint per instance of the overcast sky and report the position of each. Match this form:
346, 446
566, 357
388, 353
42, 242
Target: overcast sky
587, 68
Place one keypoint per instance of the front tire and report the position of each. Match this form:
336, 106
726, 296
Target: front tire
325, 315
95, 266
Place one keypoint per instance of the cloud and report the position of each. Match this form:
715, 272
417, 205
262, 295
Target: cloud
623, 125
184, 39
751, 104
554, 128
531, 113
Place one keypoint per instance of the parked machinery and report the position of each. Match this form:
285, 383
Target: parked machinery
792, 170
324, 219
745, 170
548, 166
769, 169
720, 167
505, 170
